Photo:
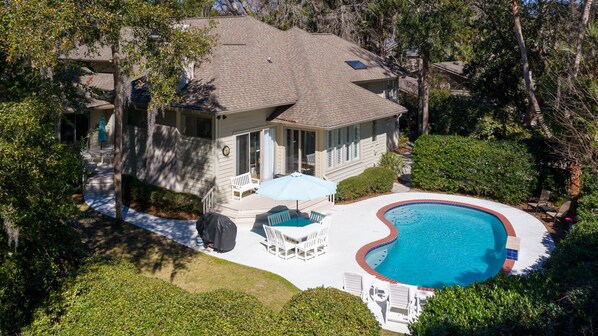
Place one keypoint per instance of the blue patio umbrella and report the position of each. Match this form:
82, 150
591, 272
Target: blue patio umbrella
297, 187
102, 136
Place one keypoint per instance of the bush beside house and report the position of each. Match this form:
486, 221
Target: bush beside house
146, 195
501, 170
374, 180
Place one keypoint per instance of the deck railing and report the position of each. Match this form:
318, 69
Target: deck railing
208, 200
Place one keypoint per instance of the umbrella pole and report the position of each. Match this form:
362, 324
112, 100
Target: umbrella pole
297, 206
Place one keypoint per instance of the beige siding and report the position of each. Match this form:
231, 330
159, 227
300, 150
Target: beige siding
195, 165
378, 87
227, 130
173, 161
134, 143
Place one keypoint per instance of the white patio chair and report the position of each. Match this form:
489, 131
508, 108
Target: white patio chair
316, 217
270, 239
284, 247
279, 217
322, 244
353, 284
308, 248
401, 303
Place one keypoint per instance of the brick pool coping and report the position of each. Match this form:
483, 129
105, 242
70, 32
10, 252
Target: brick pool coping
507, 267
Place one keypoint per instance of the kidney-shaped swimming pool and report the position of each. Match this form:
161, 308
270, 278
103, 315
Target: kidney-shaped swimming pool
440, 244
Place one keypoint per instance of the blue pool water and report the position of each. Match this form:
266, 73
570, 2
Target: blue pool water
441, 244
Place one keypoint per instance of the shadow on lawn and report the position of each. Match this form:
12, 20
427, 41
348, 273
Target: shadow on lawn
146, 250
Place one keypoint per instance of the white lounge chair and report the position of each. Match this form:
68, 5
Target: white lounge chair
284, 247
307, 249
401, 303
353, 284
270, 239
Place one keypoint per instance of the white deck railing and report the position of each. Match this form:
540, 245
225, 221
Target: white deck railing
208, 200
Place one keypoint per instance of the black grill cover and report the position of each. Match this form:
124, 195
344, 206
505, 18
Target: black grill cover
218, 230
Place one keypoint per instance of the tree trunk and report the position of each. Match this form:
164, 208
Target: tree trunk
120, 90
582, 30
575, 179
424, 95
533, 113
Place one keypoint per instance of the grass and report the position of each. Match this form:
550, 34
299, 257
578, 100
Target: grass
164, 259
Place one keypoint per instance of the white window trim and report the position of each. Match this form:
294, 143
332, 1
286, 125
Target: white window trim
343, 146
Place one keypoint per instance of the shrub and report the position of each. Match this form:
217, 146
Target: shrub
244, 313
114, 299
373, 180
500, 306
327, 311
393, 161
501, 170
148, 195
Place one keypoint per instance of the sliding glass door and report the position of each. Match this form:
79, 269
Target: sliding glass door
248, 154
300, 150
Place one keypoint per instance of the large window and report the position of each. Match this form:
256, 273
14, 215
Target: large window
248, 154
197, 126
300, 151
343, 146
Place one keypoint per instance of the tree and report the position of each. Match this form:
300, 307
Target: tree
37, 178
434, 29
534, 113
138, 33
582, 30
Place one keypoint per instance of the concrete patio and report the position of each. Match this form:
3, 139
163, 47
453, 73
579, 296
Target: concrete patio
353, 226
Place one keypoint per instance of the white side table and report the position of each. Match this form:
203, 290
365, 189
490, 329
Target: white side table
379, 290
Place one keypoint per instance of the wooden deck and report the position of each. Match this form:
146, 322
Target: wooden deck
252, 210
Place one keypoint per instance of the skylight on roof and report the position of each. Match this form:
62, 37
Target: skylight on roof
357, 65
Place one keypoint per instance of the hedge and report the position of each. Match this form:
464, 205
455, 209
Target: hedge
373, 180
499, 306
149, 195
501, 170
114, 299
327, 311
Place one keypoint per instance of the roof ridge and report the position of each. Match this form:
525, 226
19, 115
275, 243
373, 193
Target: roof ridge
309, 69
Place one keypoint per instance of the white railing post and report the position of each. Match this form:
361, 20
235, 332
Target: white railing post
207, 201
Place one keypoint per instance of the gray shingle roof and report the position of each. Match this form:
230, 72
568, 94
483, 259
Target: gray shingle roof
255, 65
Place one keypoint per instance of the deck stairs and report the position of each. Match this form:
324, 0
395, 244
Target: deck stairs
252, 210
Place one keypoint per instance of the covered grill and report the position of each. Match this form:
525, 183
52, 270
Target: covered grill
217, 231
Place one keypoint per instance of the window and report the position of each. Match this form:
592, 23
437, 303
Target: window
374, 130
329, 149
391, 90
197, 126
357, 65
343, 146
356, 138
248, 154
300, 151
339, 146
136, 117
